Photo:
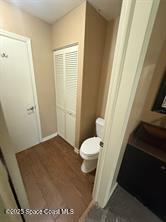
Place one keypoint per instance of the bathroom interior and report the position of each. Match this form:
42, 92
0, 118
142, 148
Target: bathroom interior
72, 59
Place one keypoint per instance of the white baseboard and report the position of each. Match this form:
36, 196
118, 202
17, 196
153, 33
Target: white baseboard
54, 135
49, 137
76, 150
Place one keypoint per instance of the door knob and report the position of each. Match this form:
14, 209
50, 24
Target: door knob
31, 108
101, 144
4, 55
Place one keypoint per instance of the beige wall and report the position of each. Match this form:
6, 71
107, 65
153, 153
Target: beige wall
111, 34
105, 74
147, 115
68, 30
14, 20
95, 33
96, 38
151, 74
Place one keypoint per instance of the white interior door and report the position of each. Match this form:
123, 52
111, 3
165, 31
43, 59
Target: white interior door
16, 93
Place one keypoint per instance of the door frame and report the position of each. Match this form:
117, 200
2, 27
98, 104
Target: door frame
135, 27
32, 74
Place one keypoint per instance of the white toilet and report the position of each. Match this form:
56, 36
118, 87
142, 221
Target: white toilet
90, 148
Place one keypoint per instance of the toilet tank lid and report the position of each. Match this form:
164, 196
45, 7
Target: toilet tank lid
100, 121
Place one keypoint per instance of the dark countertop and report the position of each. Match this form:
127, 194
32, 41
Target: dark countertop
136, 139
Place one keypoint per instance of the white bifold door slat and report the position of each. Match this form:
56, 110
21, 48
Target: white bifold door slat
66, 72
59, 80
61, 121
71, 80
70, 129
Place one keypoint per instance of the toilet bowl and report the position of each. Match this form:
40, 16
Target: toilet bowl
90, 149
89, 152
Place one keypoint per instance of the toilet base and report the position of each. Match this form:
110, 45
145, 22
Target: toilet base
88, 165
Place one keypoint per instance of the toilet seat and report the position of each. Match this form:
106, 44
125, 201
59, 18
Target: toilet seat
90, 147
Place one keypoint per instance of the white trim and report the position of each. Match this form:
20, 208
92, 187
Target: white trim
76, 150
13, 35
29, 49
34, 88
135, 27
113, 189
49, 137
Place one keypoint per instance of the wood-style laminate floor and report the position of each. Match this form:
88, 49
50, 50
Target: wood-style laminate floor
53, 179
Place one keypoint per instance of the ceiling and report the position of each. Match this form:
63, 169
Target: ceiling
52, 10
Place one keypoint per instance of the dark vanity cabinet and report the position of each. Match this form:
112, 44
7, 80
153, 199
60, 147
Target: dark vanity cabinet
145, 177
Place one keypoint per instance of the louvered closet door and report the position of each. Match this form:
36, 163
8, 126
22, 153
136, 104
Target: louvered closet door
66, 70
71, 71
60, 91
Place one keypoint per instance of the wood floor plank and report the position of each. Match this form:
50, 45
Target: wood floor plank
72, 196
53, 179
50, 193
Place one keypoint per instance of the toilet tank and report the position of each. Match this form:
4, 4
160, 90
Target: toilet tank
99, 126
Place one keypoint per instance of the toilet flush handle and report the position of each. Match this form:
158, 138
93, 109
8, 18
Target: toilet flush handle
101, 144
